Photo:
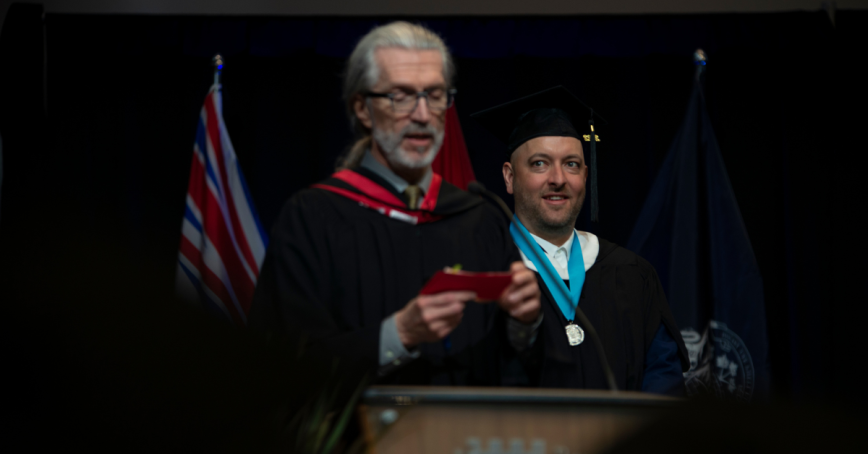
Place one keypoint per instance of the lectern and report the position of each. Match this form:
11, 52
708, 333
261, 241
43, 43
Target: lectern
446, 420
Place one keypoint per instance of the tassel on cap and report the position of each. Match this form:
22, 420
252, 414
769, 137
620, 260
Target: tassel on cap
595, 204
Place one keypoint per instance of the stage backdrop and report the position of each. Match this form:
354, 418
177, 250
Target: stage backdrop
122, 95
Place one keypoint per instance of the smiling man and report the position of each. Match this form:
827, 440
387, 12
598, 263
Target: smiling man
618, 291
348, 256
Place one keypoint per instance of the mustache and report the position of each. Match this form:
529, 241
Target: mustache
562, 189
414, 128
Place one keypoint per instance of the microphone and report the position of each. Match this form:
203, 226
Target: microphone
475, 187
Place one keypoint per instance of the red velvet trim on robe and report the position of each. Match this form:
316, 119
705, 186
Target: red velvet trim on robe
377, 198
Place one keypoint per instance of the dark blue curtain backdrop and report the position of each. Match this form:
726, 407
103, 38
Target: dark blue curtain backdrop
96, 170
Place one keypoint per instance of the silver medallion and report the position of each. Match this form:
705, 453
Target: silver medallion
575, 334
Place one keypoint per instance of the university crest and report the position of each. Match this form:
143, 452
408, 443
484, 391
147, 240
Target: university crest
720, 363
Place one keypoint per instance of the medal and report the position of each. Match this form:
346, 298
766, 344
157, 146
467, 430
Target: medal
575, 334
566, 297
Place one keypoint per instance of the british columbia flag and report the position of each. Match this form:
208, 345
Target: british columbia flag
222, 240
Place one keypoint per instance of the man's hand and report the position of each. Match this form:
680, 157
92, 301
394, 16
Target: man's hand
521, 299
429, 318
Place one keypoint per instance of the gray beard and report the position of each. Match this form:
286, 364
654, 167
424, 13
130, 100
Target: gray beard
530, 212
390, 144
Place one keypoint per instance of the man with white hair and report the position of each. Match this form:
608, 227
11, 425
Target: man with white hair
349, 256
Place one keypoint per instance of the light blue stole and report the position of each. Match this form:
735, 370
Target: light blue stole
567, 298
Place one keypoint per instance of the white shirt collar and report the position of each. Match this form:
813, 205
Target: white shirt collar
551, 248
588, 242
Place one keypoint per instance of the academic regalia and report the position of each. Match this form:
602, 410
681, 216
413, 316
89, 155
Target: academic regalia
623, 300
342, 259
620, 294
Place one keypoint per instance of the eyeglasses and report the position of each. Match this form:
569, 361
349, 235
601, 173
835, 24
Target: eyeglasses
403, 102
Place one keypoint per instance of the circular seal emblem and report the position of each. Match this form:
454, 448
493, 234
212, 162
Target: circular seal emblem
719, 363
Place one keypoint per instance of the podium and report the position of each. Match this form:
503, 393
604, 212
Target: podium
451, 420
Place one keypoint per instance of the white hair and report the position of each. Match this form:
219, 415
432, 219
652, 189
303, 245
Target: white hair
363, 72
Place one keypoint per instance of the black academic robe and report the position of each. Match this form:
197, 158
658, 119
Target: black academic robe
334, 270
623, 300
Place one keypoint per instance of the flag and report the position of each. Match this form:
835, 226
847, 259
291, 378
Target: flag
691, 230
222, 240
452, 162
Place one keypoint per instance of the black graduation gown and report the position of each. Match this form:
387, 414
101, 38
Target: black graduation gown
623, 299
334, 270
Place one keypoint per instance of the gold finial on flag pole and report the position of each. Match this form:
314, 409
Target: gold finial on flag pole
217, 62
699, 59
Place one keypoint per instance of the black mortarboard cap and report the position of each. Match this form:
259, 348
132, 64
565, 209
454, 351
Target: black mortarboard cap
552, 112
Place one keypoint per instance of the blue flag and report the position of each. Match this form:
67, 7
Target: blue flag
692, 231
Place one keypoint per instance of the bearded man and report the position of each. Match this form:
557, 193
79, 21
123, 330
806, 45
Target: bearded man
348, 257
618, 291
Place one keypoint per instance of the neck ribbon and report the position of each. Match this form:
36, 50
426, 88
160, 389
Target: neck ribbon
567, 298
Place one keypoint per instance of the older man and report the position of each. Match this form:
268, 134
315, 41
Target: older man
617, 290
348, 257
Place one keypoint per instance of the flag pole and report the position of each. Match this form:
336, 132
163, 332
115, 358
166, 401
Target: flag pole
217, 62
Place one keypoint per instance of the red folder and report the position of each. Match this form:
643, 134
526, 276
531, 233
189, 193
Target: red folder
488, 286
